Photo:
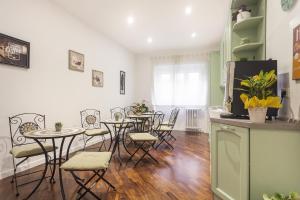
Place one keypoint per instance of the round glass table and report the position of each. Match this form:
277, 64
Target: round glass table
118, 128
143, 119
47, 134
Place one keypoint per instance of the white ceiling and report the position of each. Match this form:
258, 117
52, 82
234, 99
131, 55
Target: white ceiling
164, 21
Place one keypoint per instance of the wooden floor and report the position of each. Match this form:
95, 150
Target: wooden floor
182, 174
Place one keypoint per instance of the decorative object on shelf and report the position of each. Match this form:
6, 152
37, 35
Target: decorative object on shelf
58, 126
14, 51
296, 53
278, 196
258, 96
243, 13
97, 78
286, 5
76, 61
244, 40
140, 108
122, 82
243, 59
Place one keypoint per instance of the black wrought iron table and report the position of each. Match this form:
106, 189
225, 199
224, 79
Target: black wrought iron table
47, 134
118, 128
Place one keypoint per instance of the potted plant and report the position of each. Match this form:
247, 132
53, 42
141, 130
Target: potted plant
278, 196
258, 95
117, 116
140, 108
58, 126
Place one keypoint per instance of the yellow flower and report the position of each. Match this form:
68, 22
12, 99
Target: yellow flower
273, 102
254, 102
256, 78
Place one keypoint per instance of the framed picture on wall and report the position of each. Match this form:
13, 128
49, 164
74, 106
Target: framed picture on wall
97, 78
122, 82
76, 61
296, 53
14, 51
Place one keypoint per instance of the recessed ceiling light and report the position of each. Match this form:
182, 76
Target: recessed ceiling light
149, 40
194, 35
188, 10
130, 20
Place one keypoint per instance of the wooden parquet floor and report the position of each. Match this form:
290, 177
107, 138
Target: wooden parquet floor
182, 174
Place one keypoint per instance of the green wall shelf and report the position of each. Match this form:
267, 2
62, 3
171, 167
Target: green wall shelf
235, 4
247, 47
249, 23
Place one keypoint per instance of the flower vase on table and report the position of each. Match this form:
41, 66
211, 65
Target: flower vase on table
258, 95
58, 126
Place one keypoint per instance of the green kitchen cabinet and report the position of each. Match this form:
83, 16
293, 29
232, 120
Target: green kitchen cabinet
249, 159
230, 159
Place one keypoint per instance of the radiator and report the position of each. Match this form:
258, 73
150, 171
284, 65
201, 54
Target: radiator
193, 117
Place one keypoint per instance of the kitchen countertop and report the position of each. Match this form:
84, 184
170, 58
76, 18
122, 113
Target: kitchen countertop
274, 124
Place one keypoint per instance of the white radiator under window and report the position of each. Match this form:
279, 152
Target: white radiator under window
193, 117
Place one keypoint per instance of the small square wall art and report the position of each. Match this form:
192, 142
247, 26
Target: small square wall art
76, 61
97, 78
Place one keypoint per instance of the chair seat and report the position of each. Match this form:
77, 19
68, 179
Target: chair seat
164, 128
95, 132
142, 137
28, 150
87, 161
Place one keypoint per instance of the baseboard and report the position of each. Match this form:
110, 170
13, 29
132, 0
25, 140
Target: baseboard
37, 162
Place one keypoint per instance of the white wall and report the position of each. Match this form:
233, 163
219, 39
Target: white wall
49, 87
280, 26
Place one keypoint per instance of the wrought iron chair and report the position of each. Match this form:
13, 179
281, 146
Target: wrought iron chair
117, 112
91, 121
23, 148
164, 132
96, 162
130, 111
146, 141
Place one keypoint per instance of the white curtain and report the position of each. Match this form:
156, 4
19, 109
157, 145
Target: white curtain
180, 80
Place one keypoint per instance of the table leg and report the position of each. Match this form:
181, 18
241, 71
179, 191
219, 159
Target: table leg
124, 138
62, 191
111, 137
44, 172
52, 180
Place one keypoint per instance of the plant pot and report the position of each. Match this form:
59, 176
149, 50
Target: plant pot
58, 128
257, 115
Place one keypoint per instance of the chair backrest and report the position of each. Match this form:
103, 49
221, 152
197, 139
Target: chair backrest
90, 119
117, 111
173, 117
157, 120
23, 123
128, 111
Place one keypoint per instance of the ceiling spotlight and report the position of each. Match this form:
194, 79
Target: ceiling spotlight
130, 20
149, 40
194, 35
188, 10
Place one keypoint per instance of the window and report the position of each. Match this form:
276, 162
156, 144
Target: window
180, 84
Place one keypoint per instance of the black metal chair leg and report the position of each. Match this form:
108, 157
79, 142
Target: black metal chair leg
147, 153
83, 186
130, 158
141, 158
